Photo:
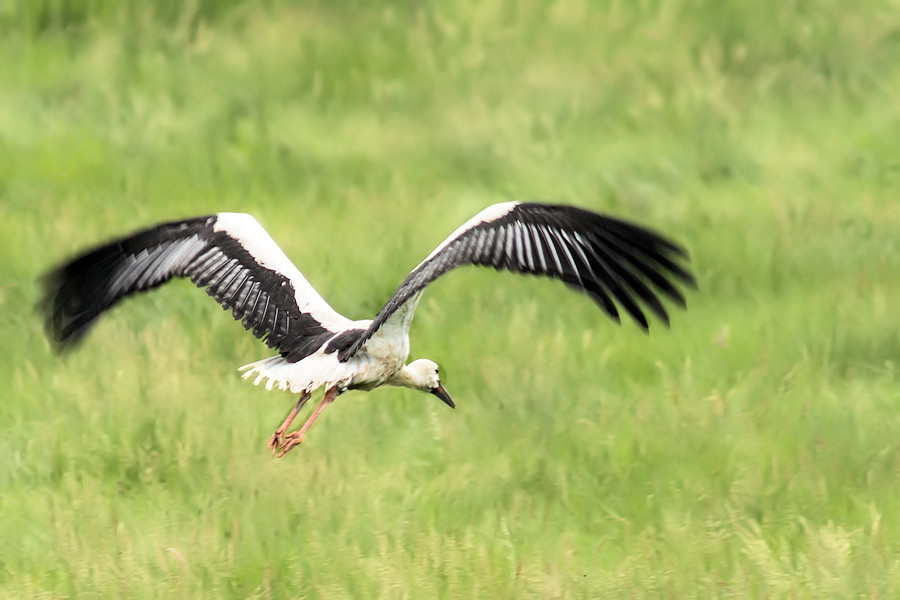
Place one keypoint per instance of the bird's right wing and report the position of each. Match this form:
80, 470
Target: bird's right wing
230, 254
606, 258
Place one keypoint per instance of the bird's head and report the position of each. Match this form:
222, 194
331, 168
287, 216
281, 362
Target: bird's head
423, 375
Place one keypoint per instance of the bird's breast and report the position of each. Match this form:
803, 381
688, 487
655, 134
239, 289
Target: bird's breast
389, 350
378, 360
370, 372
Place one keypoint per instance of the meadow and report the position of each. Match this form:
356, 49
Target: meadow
751, 450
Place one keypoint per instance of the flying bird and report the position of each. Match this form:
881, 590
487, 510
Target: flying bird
241, 266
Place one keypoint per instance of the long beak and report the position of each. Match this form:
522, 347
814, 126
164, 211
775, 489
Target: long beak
441, 393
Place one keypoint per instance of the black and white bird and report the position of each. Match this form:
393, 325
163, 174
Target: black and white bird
232, 256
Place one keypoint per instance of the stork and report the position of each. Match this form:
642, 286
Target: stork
241, 266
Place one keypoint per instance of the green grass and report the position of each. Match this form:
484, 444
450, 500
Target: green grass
752, 450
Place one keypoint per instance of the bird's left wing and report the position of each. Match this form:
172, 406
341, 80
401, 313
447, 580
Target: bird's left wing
229, 254
606, 258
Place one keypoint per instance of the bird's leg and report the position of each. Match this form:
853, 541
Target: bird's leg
278, 437
294, 438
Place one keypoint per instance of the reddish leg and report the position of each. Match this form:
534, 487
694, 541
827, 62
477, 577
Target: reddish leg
294, 438
278, 437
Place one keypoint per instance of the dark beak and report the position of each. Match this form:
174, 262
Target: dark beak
441, 393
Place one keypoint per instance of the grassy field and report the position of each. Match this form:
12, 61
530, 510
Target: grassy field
750, 451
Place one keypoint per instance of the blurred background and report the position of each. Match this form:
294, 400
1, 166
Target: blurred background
750, 450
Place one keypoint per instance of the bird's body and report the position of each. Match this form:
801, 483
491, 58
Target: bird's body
375, 364
239, 264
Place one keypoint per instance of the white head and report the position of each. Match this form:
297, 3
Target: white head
423, 375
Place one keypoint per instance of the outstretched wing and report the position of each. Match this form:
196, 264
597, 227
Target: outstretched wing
229, 254
609, 259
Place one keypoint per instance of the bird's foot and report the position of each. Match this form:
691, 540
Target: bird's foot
276, 441
289, 442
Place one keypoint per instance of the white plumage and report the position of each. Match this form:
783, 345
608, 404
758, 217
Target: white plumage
239, 264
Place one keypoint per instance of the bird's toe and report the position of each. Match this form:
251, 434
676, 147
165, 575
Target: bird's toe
291, 441
275, 442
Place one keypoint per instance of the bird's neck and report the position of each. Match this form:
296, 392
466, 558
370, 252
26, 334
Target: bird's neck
405, 377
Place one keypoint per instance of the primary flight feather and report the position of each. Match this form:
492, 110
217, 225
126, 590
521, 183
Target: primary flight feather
614, 262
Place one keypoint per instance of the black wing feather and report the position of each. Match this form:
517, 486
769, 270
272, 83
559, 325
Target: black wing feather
599, 255
77, 293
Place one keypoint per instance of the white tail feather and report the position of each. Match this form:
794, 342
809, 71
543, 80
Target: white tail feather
271, 370
313, 372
